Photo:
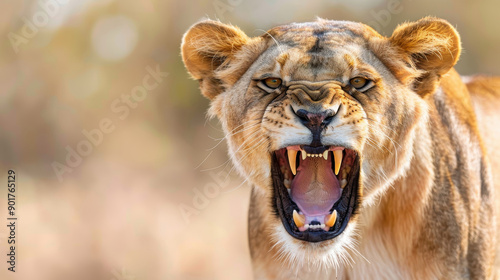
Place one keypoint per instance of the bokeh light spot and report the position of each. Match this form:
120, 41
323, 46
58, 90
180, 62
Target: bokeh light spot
114, 37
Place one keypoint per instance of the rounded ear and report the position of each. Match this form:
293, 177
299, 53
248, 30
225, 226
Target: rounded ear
208, 46
431, 45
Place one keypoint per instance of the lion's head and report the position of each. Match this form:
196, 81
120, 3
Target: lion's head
320, 117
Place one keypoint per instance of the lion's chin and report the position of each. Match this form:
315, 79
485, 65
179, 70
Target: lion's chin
302, 255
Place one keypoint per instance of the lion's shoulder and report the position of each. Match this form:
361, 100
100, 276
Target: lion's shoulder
483, 86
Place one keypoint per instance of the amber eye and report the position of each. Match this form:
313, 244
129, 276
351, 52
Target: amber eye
358, 82
272, 83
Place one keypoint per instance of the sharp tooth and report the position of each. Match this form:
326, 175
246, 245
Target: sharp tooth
337, 154
330, 219
287, 183
325, 154
299, 220
343, 183
306, 226
292, 159
304, 155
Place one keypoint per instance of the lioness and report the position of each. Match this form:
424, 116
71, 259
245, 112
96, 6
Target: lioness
369, 156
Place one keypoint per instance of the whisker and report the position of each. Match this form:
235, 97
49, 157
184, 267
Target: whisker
274, 39
263, 140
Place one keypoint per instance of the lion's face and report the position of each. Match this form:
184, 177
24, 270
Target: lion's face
317, 117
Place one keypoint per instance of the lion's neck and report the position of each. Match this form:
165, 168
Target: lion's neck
389, 228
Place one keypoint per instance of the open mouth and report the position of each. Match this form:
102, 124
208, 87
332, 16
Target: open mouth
315, 190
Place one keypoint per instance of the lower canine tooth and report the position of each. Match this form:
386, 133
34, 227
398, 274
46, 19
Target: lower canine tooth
288, 183
299, 220
304, 155
330, 219
343, 183
325, 154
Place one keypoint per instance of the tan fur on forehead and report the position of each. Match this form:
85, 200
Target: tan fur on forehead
293, 30
282, 58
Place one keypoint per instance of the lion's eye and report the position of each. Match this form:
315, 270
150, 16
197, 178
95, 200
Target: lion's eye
358, 82
272, 83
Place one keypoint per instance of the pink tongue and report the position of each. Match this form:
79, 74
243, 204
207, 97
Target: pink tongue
315, 188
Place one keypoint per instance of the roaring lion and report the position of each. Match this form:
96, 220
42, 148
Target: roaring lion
369, 156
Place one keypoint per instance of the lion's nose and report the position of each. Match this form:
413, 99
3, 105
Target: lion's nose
315, 122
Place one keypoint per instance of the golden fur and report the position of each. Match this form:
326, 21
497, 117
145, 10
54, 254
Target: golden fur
427, 209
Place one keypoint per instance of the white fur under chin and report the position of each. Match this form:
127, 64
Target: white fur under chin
315, 259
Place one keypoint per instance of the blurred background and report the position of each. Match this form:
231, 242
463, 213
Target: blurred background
119, 174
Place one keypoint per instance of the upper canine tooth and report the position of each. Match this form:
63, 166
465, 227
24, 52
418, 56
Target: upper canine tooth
299, 220
304, 155
330, 219
292, 159
337, 154
325, 154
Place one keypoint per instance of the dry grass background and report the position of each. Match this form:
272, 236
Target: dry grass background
116, 215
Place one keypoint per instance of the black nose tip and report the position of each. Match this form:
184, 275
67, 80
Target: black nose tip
315, 120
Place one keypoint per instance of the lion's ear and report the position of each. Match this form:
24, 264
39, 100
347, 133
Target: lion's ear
207, 47
432, 45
